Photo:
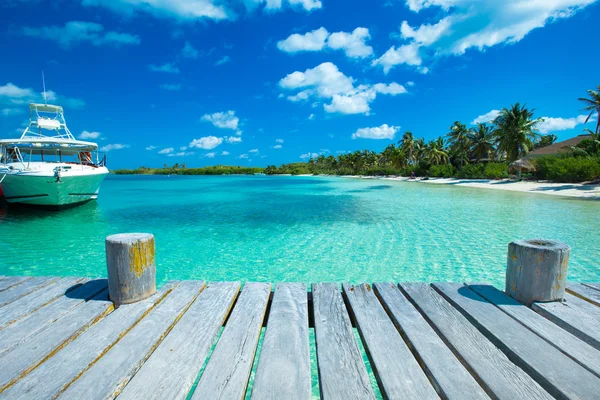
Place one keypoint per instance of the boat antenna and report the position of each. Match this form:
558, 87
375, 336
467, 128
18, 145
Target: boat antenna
44, 84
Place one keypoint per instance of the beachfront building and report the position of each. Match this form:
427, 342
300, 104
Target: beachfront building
558, 148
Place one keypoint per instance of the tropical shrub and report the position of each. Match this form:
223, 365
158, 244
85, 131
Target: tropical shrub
495, 171
441, 171
567, 168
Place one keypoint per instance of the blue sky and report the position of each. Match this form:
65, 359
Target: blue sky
258, 82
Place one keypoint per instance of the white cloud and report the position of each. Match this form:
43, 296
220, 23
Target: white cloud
85, 135
168, 150
486, 118
243, 156
310, 41
325, 81
253, 151
150, 148
479, 24
171, 86
181, 154
178, 9
277, 146
223, 120
278, 140
410, 83
11, 95
233, 139
169, 68
353, 44
550, 124
183, 148
12, 111
311, 117
223, 60
380, 132
210, 155
225, 153
206, 143
189, 51
116, 146
407, 54
309, 155
76, 32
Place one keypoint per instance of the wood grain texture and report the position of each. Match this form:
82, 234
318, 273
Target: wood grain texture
171, 370
52, 377
342, 372
575, 315
107, 376
227, 372
397, 371
31, 285
569, 344
593, 285
449, 376
584, 292
283, 370
498, 375
558, 374
21, 330
10, 281
22, 359
25, 305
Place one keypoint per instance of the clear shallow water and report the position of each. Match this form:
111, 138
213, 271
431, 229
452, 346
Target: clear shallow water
309, 229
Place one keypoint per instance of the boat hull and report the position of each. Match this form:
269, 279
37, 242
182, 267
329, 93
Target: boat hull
46, 191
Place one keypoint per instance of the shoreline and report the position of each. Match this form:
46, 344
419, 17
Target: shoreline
573, 190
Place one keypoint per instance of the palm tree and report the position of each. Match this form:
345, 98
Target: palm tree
407, 144
482, 141
459, 141
434, 152
515, 131
592, 104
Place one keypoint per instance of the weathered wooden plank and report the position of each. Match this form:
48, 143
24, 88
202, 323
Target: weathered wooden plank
31, 285
448, 375
108, 375
10, 281
26, 305
497, 374
283, 370
592, 285
397, 371
558, 374
227, 372
50, 379
21, 330
342, 372
171, 370
584, 292
577, 316
577, 349
21, 360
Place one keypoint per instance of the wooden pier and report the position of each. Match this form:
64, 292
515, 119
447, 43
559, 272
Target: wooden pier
63, 338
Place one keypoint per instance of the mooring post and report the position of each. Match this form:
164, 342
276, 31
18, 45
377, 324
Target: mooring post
536, 270
131, 267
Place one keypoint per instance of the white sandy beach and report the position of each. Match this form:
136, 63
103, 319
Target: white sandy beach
549, 188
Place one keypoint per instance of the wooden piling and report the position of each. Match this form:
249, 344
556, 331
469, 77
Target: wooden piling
131, 267
537, 270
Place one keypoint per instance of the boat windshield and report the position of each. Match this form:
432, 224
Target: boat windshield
26, 155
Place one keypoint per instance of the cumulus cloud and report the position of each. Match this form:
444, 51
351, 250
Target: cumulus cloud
169, 68
551, 124
353, 44
210, 155
181, 154
86, 135
486, 118
233, 139
206, 143
11, 96
76, 32
326, 82
474, 24
225, 153
253, 151
168, 150
379, 132
278, 140
243, 156
12, 111
116, 146
308, 155
277, 146
171, 86
150, 148
223, 120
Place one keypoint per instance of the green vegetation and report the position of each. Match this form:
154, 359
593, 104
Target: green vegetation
182, 170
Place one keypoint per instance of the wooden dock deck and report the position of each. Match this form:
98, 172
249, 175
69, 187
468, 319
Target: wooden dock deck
62, 338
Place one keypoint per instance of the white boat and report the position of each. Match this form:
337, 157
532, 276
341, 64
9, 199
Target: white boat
47, 166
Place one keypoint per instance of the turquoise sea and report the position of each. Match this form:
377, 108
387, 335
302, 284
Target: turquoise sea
310, 229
